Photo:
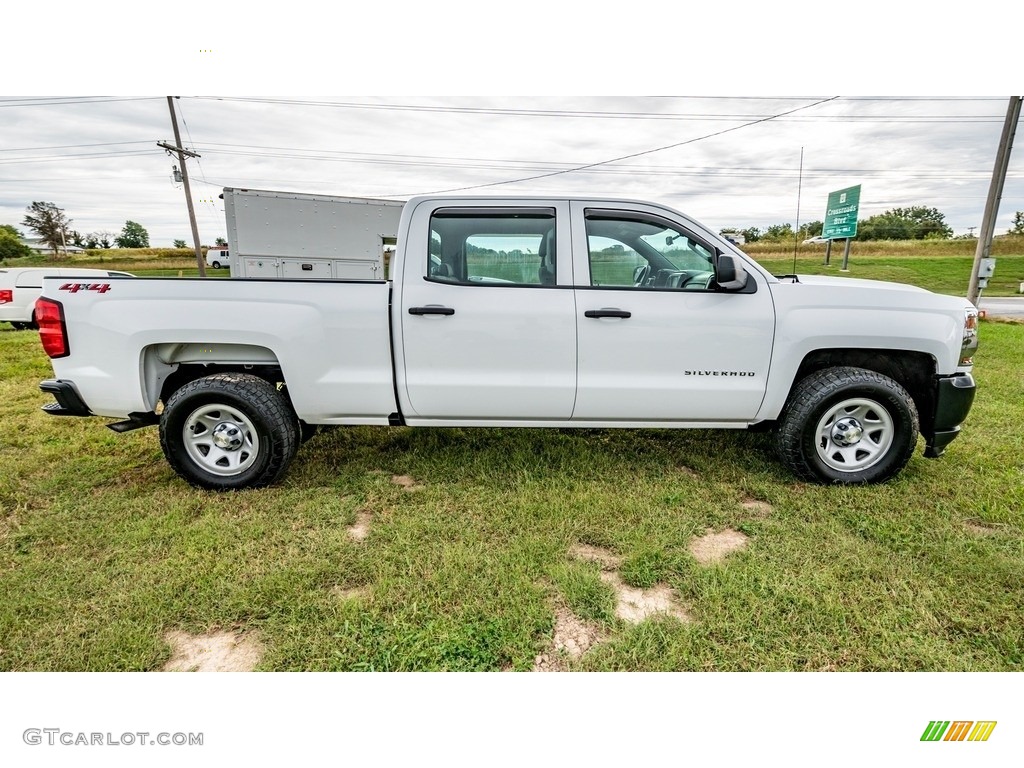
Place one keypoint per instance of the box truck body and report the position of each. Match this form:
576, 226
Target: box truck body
288, 235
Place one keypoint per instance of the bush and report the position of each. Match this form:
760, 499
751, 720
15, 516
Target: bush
12, 248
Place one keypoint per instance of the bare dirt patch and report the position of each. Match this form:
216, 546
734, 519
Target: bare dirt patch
757, 507
350, 593
980, 529
634, 604
407, 482
572, 638
605, 558
214, 652
360, 529
714, 547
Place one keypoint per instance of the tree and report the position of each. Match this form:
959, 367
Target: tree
811, 229
49, 222
134, 235
1018, 224
180, 244
914, 223
13, 232
76, 239
11, 246
751, 234
778, 233
221, 241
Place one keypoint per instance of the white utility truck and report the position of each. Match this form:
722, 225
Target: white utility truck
294, 236
519, 312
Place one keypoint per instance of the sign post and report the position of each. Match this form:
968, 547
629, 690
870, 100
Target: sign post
841, 219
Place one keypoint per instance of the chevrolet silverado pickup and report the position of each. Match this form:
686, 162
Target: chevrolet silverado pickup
519, 312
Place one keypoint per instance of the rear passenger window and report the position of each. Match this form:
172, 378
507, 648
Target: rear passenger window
493, 246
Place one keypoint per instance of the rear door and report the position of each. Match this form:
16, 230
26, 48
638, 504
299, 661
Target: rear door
488, 321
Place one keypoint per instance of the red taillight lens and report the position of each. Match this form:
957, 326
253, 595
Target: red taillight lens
6, 297
52, 330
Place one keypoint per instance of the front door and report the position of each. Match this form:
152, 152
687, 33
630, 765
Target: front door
657, 340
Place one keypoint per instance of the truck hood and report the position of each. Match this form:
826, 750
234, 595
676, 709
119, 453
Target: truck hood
874, 291
854, 282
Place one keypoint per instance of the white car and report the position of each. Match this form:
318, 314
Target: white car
816, 240
21, 286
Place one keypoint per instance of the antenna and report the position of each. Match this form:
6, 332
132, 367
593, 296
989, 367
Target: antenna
799, 189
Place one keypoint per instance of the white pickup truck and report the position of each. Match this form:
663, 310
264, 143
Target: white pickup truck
520, 312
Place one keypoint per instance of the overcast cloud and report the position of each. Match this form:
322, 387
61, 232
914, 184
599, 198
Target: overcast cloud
98, 159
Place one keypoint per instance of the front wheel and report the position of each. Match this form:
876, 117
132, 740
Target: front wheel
229, 431
848, 425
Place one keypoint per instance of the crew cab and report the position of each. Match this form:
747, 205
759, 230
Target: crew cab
520, 312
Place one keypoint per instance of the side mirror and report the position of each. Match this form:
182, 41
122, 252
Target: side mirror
729, 273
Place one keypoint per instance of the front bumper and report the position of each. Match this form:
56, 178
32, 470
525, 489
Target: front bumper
953, 398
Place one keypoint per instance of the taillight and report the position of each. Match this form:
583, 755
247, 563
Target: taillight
6, 297
52, 330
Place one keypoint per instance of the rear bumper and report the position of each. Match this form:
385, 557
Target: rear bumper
954, 396
69, 402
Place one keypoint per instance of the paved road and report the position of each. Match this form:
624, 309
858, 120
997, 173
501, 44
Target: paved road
1003, 306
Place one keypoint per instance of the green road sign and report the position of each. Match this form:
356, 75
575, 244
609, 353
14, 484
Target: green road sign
841, 213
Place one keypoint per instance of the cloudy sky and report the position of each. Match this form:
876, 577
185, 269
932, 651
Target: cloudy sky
283, 120
728, 161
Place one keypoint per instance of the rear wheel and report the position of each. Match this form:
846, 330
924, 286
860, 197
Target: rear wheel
848, 425
229, 431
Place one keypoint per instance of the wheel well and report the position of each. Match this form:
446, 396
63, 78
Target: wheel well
190, 372
914, 371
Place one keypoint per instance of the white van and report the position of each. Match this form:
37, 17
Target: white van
218, 257
21, 286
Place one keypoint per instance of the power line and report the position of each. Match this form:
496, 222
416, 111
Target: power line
599, 114
87, 156
640, 154
73, 146
64, 101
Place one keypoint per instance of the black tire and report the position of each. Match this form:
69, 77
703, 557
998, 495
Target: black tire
847, 425
247, 432
216, 265
20, 326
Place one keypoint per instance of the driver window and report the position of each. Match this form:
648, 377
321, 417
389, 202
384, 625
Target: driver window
637, 251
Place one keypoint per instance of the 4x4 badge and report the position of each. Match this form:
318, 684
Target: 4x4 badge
76, 287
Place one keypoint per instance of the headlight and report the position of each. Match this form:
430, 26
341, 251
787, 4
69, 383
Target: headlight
970, 342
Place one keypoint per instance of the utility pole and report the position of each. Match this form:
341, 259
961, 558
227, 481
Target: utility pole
182, 152
995, 193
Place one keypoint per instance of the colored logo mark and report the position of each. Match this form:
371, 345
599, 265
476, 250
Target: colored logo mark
958, 730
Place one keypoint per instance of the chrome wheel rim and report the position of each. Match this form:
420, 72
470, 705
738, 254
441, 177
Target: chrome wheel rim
221, 439
854, 435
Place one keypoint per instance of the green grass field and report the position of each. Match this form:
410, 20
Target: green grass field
468, 552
